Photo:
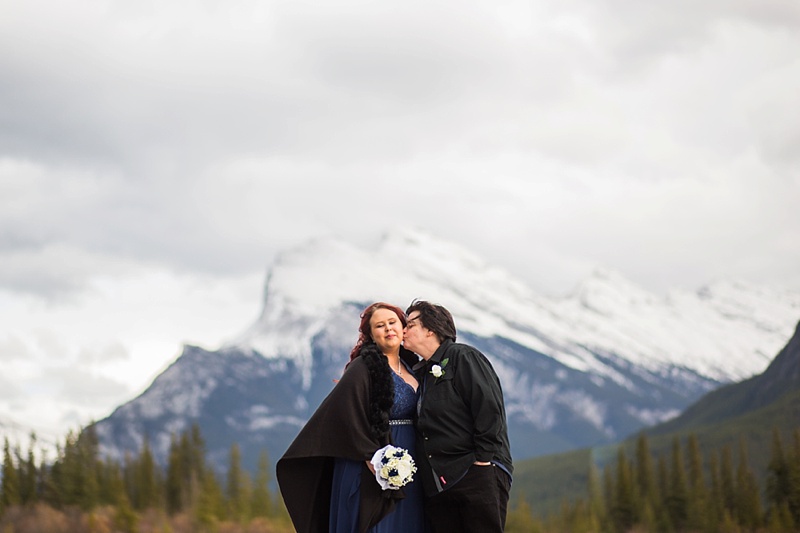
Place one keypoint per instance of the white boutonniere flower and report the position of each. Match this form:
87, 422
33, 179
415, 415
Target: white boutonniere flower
438, 370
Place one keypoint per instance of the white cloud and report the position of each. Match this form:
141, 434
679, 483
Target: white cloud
155, 156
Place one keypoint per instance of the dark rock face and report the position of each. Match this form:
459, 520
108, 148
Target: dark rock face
261, 403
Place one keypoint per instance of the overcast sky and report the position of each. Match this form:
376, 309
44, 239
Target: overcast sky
154, 156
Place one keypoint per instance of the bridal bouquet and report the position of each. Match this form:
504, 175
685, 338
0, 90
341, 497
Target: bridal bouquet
394, 467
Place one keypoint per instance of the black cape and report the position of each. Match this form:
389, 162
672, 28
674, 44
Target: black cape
341, 427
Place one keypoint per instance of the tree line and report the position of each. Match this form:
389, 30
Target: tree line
682, 491
86, 489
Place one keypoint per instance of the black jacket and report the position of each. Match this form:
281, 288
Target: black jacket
461, 416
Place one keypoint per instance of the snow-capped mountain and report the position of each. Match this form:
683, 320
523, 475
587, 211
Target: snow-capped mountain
585, 369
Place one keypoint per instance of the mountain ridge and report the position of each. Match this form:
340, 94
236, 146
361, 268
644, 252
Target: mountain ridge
781, 377
489, 301
576, 371
745, 412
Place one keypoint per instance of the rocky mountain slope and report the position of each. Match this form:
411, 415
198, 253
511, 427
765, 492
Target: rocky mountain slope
577, 371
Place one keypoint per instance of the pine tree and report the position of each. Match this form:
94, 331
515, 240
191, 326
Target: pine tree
261, 498
726, 482
9, 490
778, 482
677, 497
129, 478
793, 498
195, 454
779, 519
520, 517
698, 503
197, 450
237, 487
645, 472
210, 507
609, 491
596, 507
624, 510
125, 519
748, 500
662, 479
185, 471
173, 485
575, 517
716, 502
111, 485
729, 524
51, 480
146, 491
27, 473
650, 509
68, 473
80, 474
88, 463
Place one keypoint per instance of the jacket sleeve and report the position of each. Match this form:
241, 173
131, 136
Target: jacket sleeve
481, 388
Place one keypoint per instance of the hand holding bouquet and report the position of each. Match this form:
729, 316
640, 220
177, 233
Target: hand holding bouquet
394, 467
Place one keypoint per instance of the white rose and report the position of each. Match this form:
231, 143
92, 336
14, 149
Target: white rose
403, 470
436, 370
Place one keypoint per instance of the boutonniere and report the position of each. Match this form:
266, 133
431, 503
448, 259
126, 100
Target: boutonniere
438, 370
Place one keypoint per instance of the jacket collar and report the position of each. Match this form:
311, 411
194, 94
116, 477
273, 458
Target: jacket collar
439, 353
435, 358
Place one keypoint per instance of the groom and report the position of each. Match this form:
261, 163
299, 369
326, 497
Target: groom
464, 457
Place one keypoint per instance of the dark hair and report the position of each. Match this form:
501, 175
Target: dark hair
364, 335
435, 318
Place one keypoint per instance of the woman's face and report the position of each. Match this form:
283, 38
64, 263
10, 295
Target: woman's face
386, 330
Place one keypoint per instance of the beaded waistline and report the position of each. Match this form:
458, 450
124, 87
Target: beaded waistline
403, 422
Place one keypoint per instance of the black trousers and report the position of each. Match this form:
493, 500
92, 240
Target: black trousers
477, 503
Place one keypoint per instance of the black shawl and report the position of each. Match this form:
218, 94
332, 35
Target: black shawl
351, 422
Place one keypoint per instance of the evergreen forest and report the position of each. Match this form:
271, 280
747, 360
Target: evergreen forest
685, 490
78, 491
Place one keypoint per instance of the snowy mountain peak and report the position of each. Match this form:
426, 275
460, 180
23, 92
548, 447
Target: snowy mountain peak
307, 283
426, 252
576, 371
725, 331
607, 291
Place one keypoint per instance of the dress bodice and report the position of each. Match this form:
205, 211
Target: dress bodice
405, 399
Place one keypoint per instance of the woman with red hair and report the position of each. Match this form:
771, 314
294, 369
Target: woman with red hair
325, 477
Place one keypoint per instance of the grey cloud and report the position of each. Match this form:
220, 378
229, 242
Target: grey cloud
8, 389
106, 354
13, 348
79, 387
206, 137
312, 82
55, 270
639, 35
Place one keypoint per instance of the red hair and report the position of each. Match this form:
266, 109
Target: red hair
364, 335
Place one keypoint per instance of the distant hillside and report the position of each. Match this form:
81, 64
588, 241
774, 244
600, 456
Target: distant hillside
781, 378
746, 411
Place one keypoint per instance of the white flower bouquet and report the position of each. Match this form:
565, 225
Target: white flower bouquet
394, 467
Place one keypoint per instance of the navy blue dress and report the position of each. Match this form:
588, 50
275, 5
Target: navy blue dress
407, 516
